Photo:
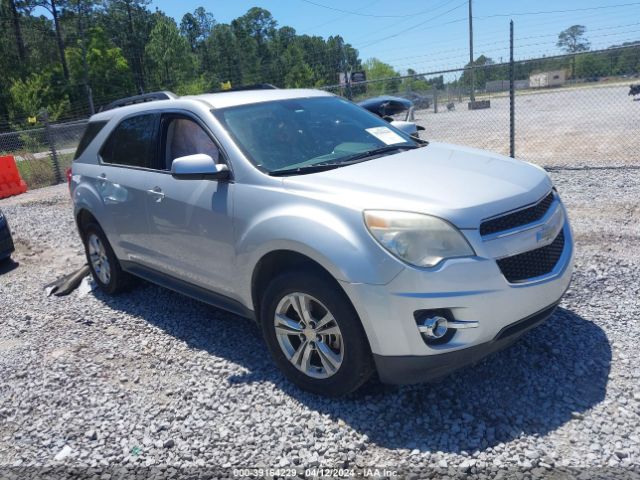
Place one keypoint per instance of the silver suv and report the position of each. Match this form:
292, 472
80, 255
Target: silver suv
356, 248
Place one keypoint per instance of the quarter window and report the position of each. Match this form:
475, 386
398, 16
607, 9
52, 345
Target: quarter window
132, 143
92, 130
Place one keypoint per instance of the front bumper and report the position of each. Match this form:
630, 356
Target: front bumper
415, 369
6, 242
472, 290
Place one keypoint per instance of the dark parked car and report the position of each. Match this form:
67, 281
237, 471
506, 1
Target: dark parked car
6, 242
420, 102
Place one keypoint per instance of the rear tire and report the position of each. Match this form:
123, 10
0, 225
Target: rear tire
324, 352
103, 263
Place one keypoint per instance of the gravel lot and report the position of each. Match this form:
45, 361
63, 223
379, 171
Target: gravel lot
587, 125
150, 378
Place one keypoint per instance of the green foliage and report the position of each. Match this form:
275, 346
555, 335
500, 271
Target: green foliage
572, 39
591, 65
34, 94
420, 84
169, 55
118, 48
300, 75
377, 70
128, 24
627, 61
109, 71
195, 86
483, 75
196, 27
123, 47
223, 59
257, 23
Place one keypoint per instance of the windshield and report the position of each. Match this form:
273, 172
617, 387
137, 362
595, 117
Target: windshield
294, 134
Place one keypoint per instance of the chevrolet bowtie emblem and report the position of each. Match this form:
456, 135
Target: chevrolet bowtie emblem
545, 234
549, 230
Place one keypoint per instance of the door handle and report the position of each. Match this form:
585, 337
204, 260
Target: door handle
157, 193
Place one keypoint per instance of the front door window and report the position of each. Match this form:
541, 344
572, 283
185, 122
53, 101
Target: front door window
186, 137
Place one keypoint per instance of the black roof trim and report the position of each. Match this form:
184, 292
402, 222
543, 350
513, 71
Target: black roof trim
145, 97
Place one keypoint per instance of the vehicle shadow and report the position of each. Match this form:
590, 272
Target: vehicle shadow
547, 378
7, 265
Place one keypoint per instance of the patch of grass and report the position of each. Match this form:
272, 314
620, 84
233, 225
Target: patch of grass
39, 172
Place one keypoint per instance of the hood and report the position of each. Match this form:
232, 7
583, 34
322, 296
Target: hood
462, 185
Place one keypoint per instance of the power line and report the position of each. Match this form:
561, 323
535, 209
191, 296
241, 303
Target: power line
341, 17
503, 42
601, 7
414, 26
526, 28
357, 12
394, 24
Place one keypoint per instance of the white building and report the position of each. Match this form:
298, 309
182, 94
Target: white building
554, 78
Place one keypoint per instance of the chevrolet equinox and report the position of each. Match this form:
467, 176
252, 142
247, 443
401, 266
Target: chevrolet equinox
357, 248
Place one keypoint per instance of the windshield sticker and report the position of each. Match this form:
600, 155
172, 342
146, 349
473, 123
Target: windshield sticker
386, 135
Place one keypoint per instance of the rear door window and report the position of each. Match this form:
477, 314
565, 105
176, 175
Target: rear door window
92, 130
133, 142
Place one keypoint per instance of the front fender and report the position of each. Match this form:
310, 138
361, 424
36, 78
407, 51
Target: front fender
338, 242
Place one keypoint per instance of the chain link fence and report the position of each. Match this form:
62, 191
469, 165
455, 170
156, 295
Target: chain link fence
568, 110
571, 110
43, 153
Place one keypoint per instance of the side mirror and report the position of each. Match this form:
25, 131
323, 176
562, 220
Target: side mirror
198, 167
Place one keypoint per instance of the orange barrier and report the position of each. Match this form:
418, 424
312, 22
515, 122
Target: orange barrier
10, 181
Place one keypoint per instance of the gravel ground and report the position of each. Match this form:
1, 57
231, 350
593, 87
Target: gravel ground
153, 379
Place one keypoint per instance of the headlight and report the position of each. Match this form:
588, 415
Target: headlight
421, 240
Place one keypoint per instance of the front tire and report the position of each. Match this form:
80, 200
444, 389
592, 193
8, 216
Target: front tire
314, 334
103, 263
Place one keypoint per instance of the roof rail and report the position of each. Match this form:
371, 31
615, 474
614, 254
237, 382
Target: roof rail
145, 97
257, 86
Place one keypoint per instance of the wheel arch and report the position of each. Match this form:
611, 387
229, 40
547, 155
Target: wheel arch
282, 261
83, 217
279, 261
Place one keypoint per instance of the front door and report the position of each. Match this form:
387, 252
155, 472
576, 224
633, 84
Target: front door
190, 221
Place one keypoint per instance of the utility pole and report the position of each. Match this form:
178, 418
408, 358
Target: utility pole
512, 96
347, 72
472, 96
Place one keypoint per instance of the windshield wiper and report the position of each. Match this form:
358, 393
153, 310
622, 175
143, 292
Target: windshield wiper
318, 167
376, 151
350, 160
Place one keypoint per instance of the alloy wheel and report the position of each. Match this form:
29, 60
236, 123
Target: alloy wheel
98, 258
309, 335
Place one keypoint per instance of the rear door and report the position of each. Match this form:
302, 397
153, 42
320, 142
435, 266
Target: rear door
190, 221
126, 161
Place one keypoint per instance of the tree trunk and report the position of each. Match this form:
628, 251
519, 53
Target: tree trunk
85, 65
17, 31
135, 52
56, 21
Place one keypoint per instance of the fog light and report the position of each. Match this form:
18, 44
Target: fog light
438, 326
434, 327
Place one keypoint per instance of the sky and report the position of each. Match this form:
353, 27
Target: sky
432, 35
